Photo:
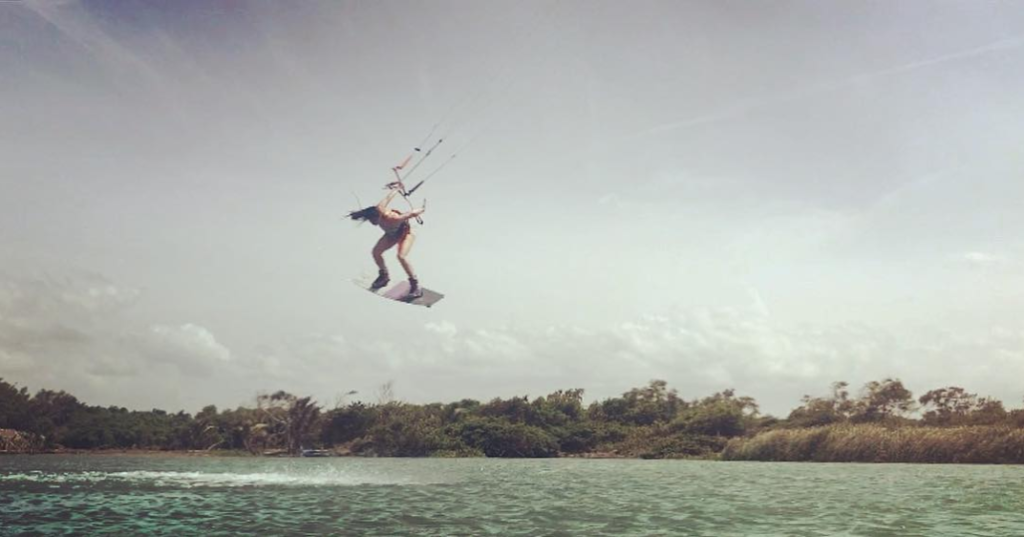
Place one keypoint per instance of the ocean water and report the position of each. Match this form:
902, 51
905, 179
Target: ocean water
174, 495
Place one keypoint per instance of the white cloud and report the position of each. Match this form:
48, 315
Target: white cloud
53, 336
77, 296
62, 332
103, 296
47, 319
699, 352
190, 347
443, 328
14, 362
1006, 265
983, 258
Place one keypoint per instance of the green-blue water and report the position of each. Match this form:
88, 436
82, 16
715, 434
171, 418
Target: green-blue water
348, 496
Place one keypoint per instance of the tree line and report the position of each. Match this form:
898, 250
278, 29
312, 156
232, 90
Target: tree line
652, 421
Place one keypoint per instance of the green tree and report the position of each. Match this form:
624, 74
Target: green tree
290, 421
953, 405
345, 424
558, 408
14, 407
654, 403
722, 414
882, 400
497, 437
817, 411
205, 429
404, 430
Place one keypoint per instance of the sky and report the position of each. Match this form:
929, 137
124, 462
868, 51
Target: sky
763, 196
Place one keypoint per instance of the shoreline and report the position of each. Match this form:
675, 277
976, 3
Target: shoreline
181, 454
602, 455
142, 452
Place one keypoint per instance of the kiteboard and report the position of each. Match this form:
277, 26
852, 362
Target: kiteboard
399, 292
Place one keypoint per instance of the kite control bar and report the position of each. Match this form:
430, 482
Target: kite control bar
400, 187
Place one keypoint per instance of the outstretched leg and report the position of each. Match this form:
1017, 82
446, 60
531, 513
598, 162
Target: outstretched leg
383, 245
404, 246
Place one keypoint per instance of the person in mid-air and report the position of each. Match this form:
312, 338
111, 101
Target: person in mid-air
397, 231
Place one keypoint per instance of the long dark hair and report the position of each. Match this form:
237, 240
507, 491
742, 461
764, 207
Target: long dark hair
369, 214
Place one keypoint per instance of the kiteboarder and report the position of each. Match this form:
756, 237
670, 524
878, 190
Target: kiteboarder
397, 231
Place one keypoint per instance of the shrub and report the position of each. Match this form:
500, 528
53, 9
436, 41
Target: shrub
497, 437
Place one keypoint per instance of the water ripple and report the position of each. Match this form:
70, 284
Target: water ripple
170, 496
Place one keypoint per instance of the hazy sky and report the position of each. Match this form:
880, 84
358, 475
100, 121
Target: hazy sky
766, 196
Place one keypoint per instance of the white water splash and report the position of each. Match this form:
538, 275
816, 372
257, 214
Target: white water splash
202, 479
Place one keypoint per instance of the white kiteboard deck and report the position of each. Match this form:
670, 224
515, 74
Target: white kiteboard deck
399, 292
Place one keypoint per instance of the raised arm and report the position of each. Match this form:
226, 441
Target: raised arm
383, 205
